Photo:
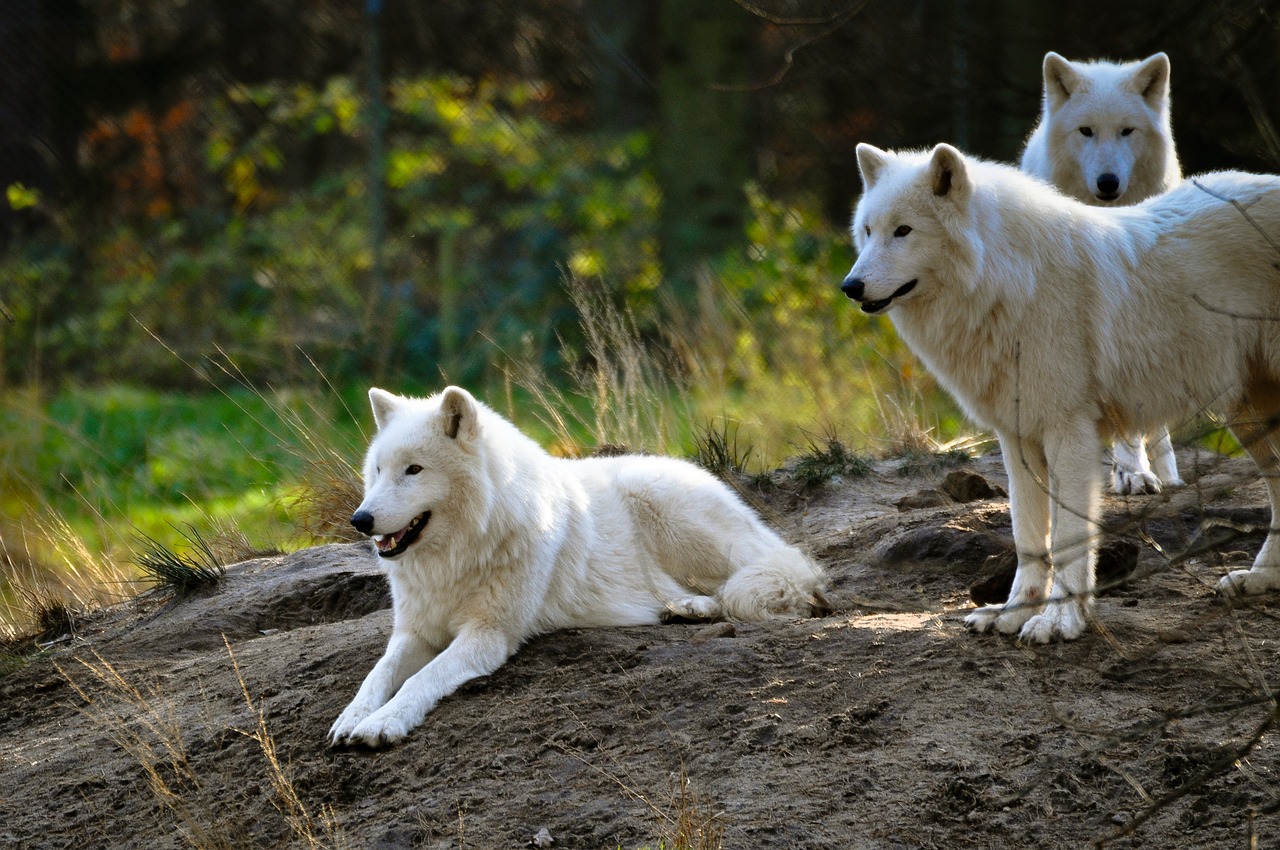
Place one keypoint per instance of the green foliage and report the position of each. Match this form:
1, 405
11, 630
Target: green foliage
823, 462
488, 207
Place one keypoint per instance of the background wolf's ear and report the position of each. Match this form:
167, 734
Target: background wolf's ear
1060, 80
948, 174
461, 417
384, 406
1151, 80
871, 160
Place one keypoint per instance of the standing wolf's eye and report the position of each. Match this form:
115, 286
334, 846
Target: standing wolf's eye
413, 469
902, 230
868, 229
1126, 131
1087, 132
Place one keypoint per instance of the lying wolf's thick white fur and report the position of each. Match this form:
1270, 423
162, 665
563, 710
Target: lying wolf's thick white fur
1059, 324
488, 541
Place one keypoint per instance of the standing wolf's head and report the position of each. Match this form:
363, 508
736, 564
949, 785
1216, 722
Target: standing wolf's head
1108, 137
906, 226
421, 471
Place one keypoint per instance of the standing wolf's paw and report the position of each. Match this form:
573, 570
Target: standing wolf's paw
1058, 621
1126, 482
1006, 619
1249, 582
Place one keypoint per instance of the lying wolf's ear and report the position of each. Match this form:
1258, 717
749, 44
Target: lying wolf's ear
384, 406
458, 408
871, 160
1151, 80
1061, 80
948, 174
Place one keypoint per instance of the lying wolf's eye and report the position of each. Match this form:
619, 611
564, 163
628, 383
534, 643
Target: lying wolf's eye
902, 230
868, 229
413, 469
1126, 131
1087, 132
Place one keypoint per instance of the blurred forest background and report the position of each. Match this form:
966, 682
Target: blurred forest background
614, 220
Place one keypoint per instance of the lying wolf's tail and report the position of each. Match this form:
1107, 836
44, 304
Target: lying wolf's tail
782, 583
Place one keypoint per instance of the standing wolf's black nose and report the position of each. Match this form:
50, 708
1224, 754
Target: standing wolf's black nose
1108, 184
853, 287
363, 521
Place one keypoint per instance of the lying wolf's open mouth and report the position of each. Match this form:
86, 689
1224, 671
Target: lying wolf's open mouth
877, 306
390, 545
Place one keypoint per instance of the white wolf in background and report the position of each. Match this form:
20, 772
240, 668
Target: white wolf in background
1058, 324
489, 540
1105, 138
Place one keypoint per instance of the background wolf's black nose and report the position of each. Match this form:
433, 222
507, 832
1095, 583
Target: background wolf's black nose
363, 521
852, 287
1108, 184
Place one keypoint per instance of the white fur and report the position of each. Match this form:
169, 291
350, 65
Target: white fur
1058, 324
1125, 108
520, 543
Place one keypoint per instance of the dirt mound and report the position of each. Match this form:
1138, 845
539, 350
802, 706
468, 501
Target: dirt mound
884, 724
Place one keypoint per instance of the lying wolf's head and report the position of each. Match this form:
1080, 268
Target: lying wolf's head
903, 226
419, 471
1108, 125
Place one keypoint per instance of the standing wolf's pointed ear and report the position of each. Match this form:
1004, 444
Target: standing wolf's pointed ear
871, 161
461, 416
1151, 80
1061, 80
948, 174
384, 406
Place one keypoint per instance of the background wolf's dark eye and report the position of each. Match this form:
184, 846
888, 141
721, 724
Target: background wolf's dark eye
1126, 131
868, 229
413, 469
1086, 131
902, 230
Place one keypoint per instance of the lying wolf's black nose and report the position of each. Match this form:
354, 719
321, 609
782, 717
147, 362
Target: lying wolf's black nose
853, 287
363, 521
1108, 184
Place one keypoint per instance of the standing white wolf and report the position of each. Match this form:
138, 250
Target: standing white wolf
1105, 138
1057, 324
489, 541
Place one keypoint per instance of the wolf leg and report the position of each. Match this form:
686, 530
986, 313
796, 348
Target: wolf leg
1255, 428
1074, 496
1163, 461
406, 654
476, 651
1130, 470
1024, 460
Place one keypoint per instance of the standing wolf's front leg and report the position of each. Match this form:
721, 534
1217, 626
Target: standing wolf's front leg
1075, 483
406, 654
1024, 461
476, 651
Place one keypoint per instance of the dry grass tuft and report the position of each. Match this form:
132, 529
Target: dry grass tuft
146, 725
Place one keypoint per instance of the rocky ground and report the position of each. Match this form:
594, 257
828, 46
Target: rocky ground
884, 724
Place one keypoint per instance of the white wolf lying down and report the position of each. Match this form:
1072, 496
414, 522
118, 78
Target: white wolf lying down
1057, 324
489, 541
1105, 138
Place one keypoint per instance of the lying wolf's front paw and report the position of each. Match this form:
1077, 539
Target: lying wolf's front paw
381, 729
1058, 621
350, 718
1129, 482
1249, 582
